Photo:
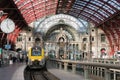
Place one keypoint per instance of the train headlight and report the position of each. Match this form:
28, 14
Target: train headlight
39, 59
32, 59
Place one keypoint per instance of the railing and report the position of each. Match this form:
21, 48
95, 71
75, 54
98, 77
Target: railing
110, 61
90, 70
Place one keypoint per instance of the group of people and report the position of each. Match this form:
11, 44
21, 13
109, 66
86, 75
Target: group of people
18, 58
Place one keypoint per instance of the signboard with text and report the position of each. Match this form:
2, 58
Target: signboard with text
7, 46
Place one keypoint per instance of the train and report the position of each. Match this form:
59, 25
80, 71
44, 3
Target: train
36, 54
36, 57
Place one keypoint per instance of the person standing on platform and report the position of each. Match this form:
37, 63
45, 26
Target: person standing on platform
26, 60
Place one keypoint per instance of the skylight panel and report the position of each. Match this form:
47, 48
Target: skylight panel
77, 7
85, 14
82, 17
87, 0
80, 8
89, 12
105, 0
115, 4
94, 19
103, 13
97, 3
93, 7
82, 4
98, 16
108, 9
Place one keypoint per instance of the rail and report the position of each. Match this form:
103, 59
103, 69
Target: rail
94, 70
38, 74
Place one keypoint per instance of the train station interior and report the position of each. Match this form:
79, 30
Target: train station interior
80, 39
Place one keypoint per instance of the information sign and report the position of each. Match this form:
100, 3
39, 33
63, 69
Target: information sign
7, 46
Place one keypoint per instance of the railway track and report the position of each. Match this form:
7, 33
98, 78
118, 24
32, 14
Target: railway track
38, 74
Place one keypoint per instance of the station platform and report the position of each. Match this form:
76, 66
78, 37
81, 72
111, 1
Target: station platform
16, 72
12, 71
63, 75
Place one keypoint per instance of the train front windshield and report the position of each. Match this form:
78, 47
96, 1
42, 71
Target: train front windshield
36, 51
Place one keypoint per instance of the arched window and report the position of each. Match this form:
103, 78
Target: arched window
102, 37
84, 39
61, 39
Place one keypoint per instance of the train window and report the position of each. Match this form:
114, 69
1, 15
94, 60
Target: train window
36, 51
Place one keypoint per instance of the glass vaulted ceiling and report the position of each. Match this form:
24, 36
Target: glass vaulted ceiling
95, 11
35, 9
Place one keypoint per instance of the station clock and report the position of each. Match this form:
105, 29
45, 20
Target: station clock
7, 25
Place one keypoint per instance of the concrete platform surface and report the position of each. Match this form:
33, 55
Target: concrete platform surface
63, 75
12, 72
16, 72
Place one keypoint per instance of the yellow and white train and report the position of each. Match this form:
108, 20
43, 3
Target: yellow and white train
36, 57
